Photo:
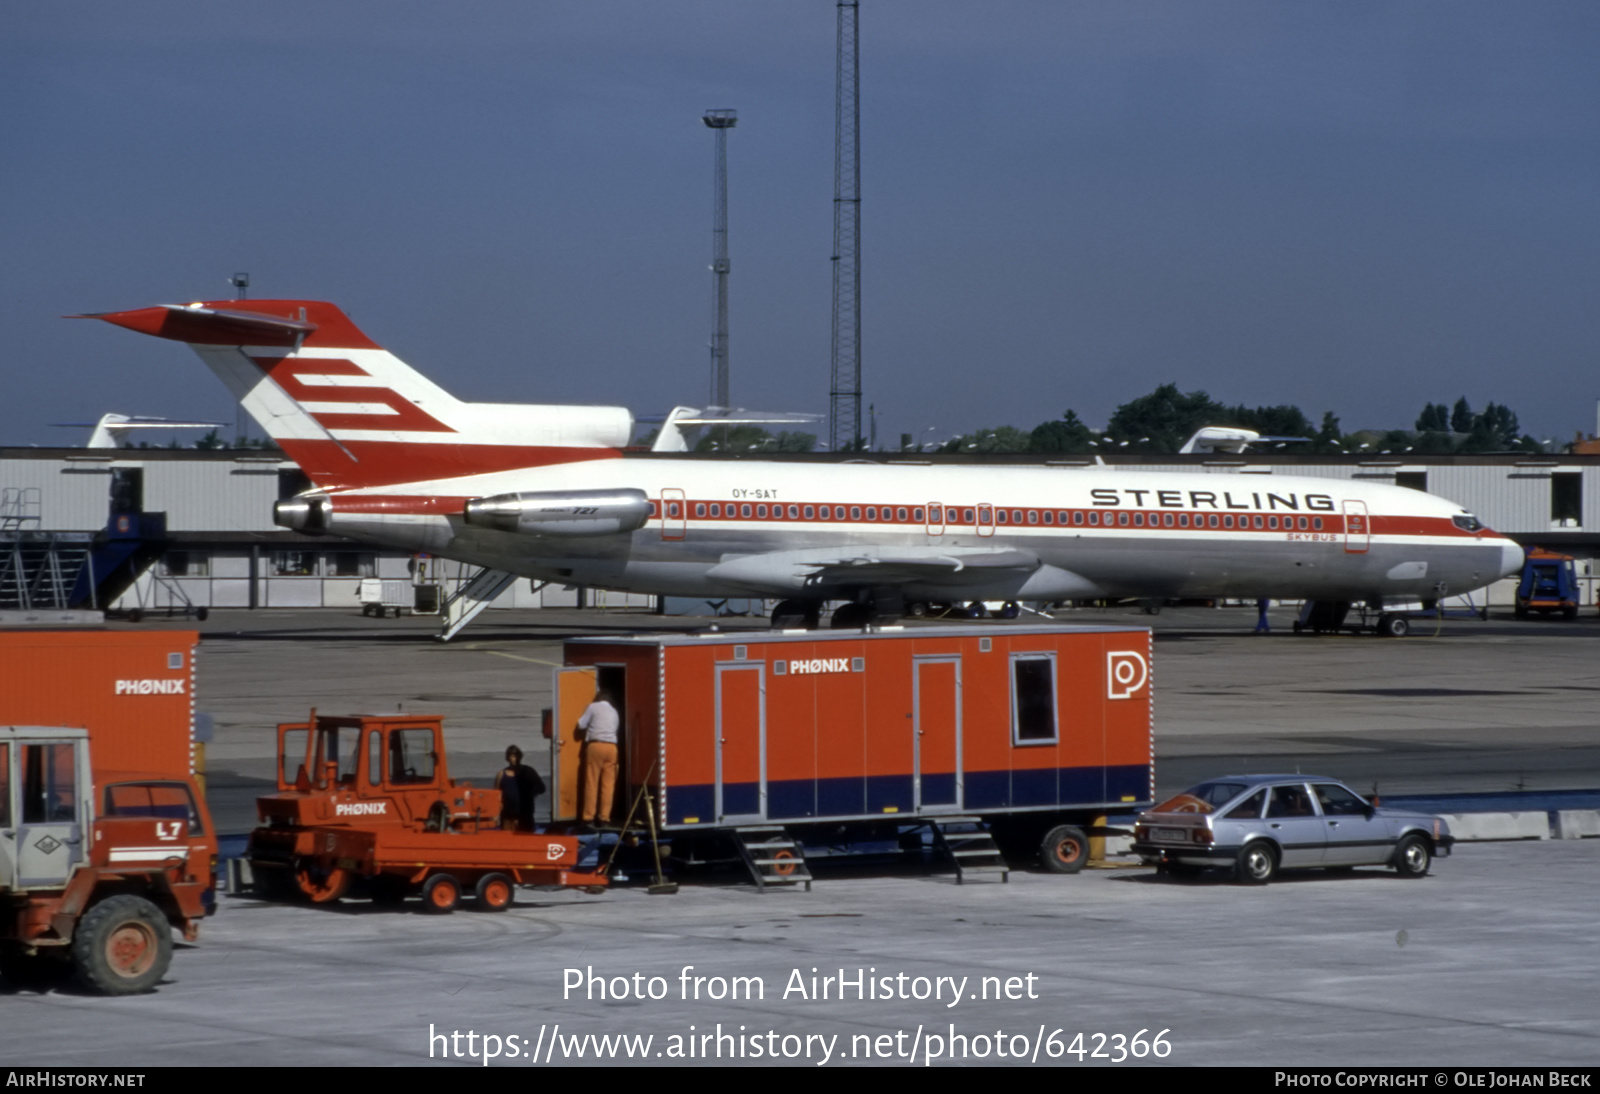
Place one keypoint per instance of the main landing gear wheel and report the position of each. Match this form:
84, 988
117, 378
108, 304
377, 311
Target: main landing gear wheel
1064, 849
123, 946
1009, 610
1257, 863
851, 615
796, 613
1393, 626
440, 894
495, 893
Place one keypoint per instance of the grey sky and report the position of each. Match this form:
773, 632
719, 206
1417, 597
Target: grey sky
1357, 207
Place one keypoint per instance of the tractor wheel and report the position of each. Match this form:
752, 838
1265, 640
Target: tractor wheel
495, 893
440, 894
320, 884
122, 946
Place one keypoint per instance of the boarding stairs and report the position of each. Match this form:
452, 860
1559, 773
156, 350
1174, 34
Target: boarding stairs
471, 599
774, 858
971, 847
39, 570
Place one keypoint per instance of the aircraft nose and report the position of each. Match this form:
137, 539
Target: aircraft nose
1511, 558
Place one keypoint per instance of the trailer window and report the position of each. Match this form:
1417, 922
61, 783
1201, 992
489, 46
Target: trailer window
410, 756
49, 789
167, 801
1033, 699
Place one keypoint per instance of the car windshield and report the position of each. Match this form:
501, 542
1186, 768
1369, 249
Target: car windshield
1204, 798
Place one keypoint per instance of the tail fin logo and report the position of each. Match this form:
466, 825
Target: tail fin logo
332, 393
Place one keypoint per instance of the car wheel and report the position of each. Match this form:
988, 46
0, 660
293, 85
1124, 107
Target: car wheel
1257, 863
1064, 849
1412, 857
440, 894
122, 946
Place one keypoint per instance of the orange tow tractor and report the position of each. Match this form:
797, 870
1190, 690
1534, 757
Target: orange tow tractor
370, 798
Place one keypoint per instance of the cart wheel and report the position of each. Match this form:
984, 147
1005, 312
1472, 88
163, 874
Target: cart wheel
440, 894
495, 893
135, 615
201, 614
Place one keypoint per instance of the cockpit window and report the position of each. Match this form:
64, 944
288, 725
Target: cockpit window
1467, 522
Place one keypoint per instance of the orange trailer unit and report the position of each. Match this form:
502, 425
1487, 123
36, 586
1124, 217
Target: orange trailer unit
1025, 727
132, 690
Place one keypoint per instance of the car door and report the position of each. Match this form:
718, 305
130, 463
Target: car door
1356, 835
1292, 819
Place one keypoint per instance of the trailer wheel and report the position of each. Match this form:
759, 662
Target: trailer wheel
495, 893
321, 885
122, 946
440, 894
1064, 849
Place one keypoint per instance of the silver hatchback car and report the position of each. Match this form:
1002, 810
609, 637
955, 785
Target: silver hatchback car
1260, 824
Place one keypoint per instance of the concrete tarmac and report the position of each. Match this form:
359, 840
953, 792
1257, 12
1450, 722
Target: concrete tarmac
1488, 961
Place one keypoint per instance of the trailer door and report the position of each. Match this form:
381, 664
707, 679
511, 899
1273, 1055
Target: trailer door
741, 743
936, 722
574, 691
50, 835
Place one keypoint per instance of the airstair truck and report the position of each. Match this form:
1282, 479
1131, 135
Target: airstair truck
106, 845
1016, 737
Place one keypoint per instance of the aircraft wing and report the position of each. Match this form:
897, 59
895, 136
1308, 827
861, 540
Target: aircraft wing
869, 565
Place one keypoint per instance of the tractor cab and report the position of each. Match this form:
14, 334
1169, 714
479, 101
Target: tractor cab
370, 770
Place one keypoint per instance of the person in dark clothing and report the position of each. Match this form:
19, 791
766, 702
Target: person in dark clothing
519, 786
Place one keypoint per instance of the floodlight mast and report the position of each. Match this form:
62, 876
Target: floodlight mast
719, 122
845, 390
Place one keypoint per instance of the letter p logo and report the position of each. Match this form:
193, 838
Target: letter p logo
1127, 673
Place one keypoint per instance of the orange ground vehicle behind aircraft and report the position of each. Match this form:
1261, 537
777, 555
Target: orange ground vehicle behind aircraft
370, 798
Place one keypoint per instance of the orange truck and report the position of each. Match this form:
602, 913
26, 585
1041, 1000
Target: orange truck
106, 845
369, 800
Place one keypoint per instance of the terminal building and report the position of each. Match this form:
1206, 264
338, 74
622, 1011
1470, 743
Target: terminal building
203, 522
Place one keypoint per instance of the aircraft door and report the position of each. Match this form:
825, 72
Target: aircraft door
741, 743
574, 691
1357, 528
674, 514
936, 724
49, 835
985, 520
935, 519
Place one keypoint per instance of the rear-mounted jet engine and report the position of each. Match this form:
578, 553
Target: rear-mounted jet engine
568, 513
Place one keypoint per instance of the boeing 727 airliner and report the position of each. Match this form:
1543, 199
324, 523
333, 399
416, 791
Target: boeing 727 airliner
546, 492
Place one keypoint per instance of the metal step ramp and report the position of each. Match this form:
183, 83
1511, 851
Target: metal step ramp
39, 570
774, 858
971, 847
